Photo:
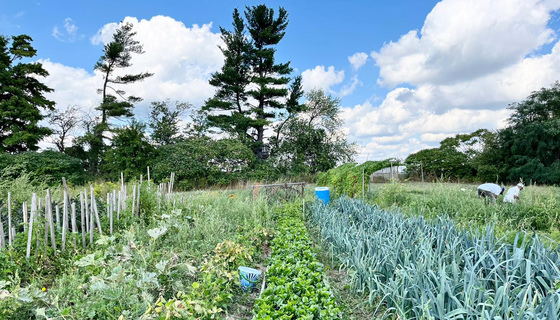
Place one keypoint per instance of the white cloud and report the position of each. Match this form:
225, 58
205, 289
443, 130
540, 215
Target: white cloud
358, 60
463, 40
319, 78
181, 61
67, 82
349, 88
105, 34
70, 33
465, 66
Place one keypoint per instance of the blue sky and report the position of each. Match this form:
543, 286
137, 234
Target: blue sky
428, 70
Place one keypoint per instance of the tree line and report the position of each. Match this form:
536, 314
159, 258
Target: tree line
527, 149
254, 127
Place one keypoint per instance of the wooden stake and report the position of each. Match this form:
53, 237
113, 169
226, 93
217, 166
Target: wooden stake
133, 198
50, 218
64, 217
82, 218
138, 203
30, 234
2, 240
94, 207
114, 204
46, 221
10, 239
38, 219
111, 221
57, 211
74, 226
92, 201
119, 207
87, 215
24, 211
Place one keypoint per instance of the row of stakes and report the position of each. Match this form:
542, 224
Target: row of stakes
89, 214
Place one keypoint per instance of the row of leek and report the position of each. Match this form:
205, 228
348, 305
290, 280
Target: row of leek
418, 269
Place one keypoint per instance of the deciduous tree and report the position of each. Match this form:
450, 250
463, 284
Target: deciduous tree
164, 121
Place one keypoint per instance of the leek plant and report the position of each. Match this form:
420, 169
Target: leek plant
431, 269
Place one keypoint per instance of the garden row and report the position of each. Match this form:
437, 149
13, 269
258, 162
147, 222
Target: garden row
176, 259
296, 287
414, 268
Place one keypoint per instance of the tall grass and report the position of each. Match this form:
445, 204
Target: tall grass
538, 209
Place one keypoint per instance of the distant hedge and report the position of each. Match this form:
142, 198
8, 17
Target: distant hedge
347, 178
47, 166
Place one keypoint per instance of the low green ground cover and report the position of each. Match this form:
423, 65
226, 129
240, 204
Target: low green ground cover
413, 268
295, 279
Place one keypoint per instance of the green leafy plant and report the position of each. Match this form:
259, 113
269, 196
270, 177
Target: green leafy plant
295, 279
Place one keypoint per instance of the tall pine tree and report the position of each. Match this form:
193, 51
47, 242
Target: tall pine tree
251, 87
231, 83
117, 55
21, 96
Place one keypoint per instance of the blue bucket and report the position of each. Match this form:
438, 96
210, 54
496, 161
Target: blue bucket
323, 194
248, 277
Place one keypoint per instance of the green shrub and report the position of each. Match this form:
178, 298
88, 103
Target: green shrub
347, 178
47, 166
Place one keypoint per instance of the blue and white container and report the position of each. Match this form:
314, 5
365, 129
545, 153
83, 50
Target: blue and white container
248, 278
323, 194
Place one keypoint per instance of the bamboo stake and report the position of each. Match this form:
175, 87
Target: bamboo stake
82, 218
10, 239
30, 234
50, 218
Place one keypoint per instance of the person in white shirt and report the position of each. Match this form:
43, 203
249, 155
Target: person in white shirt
513, 193
490, 191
